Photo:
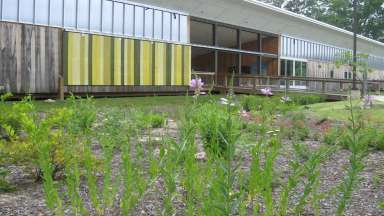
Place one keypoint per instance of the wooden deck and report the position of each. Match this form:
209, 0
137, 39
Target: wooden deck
332, 89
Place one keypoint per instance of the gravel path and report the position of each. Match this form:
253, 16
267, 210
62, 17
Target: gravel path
28, 199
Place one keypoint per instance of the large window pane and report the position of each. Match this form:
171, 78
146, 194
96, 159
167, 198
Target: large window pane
289, 68
228, 63
26, 11
129, 20
139, 21
10, 10
184, 29
270, 44
201, 33
203, 60
95, 15
304, 69
250, 41
118, 17
226, 37
148, 23
42, 11
70, 13
166, 26
175, 27
269, 66
298, 69
158, 25
107, 16
283, 67
56, 13
250, 64
83, 14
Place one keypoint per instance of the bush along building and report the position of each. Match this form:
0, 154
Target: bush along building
156, 46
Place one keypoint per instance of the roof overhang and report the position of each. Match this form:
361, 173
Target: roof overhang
260, 16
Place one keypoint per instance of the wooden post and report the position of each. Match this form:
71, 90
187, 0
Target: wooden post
254, 83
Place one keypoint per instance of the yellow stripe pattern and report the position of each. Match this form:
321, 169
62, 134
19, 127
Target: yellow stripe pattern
119, 61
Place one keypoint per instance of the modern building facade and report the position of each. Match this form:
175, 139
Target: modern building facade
118, 46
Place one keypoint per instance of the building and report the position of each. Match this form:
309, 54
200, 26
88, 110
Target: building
154, 46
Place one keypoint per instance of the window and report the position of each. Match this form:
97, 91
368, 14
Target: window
70, 13
167, 26
226, 37
228, 63
203, 60
82, 14
201, 33
157, 25
26, 11
139, 21
56, 13
298, 68
9, 10
283, 67
95, 9
148, 28
250, 41
269, 66
269, 44
347, 75
129, 20
107, 17
175, 27
118, 17
304, 69
184, 33
289, 71
332, 74
42, 11
250, 64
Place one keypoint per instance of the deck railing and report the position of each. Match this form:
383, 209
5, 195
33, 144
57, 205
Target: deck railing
292, 84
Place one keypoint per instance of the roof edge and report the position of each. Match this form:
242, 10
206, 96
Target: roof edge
311, 20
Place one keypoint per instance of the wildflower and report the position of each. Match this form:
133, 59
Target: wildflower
267, 91
285, 99
196, 84
245, 114
224, 101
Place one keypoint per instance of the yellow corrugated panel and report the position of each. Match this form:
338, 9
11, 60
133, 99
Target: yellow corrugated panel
117, 61
73, 59
97, 60
187, 65
84, 79
177, 64
77, 59
107, 58
146, 63
160, 63
129, 62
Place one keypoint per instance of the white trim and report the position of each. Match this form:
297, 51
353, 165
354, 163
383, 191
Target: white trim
307, 19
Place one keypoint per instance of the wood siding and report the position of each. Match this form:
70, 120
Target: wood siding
30, 58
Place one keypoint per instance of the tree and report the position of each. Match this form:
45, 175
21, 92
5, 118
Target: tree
340, 13
277, 3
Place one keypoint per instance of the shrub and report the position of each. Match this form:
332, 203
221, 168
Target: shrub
295, 127
307, 99
152, 120
212, 123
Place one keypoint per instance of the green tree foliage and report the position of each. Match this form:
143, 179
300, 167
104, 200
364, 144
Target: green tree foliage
340, 13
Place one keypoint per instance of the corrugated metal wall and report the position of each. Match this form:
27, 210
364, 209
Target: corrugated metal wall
110, 61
